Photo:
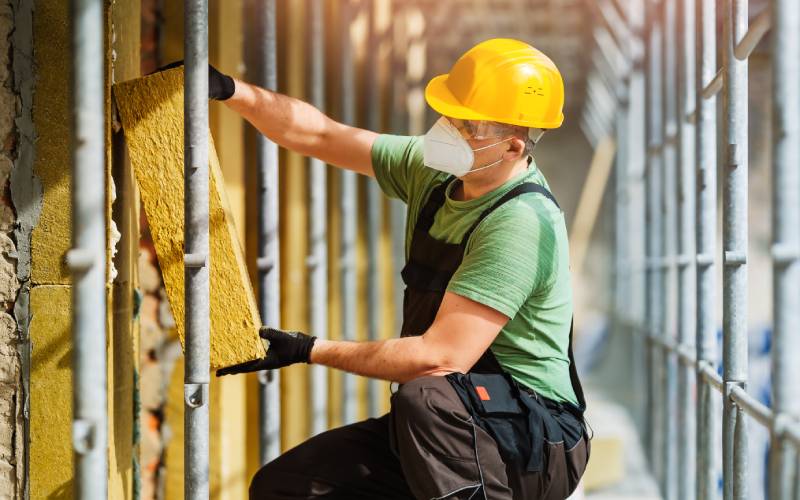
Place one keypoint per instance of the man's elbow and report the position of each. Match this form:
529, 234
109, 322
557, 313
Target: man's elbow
443, 363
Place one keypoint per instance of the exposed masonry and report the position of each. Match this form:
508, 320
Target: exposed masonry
18, 188
159, 346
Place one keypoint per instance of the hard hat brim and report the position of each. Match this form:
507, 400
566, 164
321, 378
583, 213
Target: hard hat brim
439, 97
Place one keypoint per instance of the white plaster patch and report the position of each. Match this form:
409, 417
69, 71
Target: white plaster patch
114, 236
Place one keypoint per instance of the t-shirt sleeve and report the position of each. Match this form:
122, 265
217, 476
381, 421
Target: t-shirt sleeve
396, 159
510, 256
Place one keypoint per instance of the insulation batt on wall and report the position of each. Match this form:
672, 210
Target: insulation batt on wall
151, 112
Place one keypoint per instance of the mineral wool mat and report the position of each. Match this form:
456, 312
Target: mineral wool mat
151, 112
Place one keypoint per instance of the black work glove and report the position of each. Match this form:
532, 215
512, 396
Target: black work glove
220, 85
285, 348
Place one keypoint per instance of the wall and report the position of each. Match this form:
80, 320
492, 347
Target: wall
40, 187
11, 390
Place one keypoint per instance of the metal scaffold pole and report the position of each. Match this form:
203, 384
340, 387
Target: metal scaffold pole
318, 227
706, 243
87, 258
399, 125
686, 244
196, 259
622, 270
636, 190
734, 237
785, 238
668, 297
262, 40
654, 229
374, 207
348, 209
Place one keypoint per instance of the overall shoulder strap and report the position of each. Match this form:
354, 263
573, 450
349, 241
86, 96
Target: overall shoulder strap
432, 205
577, 388
525, 187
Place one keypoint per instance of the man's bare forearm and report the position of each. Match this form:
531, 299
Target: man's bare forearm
397, 360
300, 127
287, 121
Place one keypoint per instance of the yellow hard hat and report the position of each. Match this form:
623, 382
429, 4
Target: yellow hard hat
501, 80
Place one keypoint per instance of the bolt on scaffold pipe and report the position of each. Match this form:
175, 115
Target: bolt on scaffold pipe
785, 237
87, 258
196, 265
317, 225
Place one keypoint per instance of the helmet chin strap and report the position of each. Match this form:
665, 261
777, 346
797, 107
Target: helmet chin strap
491, 164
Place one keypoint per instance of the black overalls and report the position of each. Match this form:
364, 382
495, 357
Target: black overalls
431, 445
430, 266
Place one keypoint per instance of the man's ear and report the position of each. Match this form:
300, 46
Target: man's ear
516, 148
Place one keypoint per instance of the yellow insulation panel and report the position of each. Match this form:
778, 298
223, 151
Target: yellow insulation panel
51, 393
151, 112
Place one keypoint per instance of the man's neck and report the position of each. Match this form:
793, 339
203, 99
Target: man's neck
479, 186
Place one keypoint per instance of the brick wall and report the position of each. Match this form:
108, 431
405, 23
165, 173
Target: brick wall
158, 341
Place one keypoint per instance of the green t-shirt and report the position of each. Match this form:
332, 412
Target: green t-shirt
516, 261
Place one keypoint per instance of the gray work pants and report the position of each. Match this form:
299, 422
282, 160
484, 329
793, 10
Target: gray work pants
426, 448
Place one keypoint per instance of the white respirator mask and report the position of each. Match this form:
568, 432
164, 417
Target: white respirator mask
446, 150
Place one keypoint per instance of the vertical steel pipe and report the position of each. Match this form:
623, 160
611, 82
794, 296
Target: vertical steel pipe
399, 125
374, 203
654, 230
348, 211
785, 235
621, 317
706, 242
686, 244
196, 262
87, 258
317, 225
264, 62
734, 237
669, 172
636, 149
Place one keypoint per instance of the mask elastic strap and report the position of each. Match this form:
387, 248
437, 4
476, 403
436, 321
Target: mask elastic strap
491, 164
492, 145
482, 168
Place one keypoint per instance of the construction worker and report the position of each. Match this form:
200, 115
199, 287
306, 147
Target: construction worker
489, 405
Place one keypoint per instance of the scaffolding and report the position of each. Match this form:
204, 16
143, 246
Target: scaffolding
87, 258
676, 258
261, 41
653, 90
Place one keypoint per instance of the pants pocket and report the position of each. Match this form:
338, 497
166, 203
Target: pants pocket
576, 460
563, 468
